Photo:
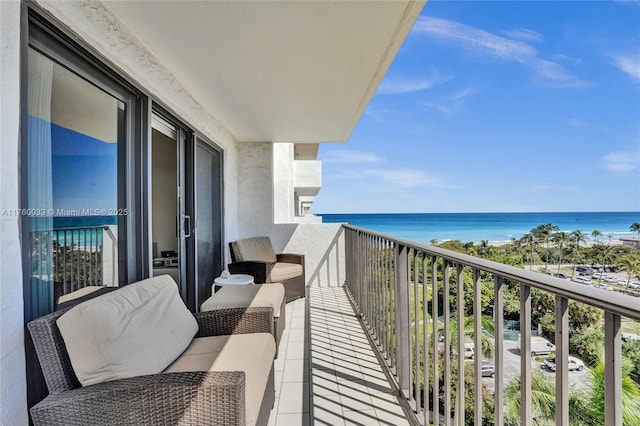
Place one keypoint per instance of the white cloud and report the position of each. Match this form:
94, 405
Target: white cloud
462, 94
389, 180
345, 156
629, 64
523, 34
393, 85
485, 43
450, 103
406, 178
551, 74
622, 162
576, 122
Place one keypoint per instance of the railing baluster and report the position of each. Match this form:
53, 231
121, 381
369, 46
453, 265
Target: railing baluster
612, 370
416, 329
477, 335
434, 319
460, 415
562, 360
498, 313
425, 338
446, 313
525, 355
403, 353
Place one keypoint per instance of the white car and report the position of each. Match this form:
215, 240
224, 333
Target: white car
573, 364
604, 287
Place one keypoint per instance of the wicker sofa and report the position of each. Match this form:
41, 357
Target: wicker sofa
224, 376
255, 256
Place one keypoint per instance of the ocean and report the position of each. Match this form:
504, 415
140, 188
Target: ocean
494, 227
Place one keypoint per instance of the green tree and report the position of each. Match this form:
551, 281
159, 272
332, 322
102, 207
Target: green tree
561, 240
543, 233
630, 397
596, 234
528, 240
635, 227
586, 408
602, 255
577, 237
629, 263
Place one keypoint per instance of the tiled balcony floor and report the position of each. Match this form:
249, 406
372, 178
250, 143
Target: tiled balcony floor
327, 373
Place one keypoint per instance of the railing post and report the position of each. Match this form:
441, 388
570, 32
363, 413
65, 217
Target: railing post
562, 360
460, 414
434, 317
403, 339
612, 370
525, 355
477, 345
498, 313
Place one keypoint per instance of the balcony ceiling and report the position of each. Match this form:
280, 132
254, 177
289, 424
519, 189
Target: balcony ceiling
282, 71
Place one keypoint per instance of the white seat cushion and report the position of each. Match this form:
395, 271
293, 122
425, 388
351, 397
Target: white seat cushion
251, 353
246, 296
136, 330
283, 271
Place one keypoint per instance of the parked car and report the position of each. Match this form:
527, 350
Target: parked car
604, 287
488, 368
540, 346
561, 275
469, 350
581, 280
573, 364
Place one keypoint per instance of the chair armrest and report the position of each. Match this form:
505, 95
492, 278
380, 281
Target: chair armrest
234, 321
188, 398
258, 269
291, 258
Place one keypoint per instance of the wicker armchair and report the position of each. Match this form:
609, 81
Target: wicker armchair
185, 398
255, 256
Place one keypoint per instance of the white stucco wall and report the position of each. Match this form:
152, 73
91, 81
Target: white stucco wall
283, 179
322, 245
13, 402
255, 189
98, 27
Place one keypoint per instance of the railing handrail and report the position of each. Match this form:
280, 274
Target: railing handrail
614, 302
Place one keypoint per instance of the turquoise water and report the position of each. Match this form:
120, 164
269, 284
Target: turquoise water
495, 227
90, 234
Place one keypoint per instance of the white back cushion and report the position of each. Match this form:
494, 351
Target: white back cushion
254, 248
137, 330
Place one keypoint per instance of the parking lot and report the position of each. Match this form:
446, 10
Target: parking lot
577, 379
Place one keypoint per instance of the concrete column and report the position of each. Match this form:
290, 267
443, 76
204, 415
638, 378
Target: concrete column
13, 388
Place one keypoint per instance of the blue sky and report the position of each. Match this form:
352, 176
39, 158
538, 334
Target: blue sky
499, 106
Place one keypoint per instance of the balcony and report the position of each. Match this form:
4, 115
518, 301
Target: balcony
365, 353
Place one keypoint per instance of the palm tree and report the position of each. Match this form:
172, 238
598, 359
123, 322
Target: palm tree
529, 240
560, 239
586, 408
595, 397
602, 255
543, 233
596, 234
635, 227
484, 248
631, 264
577, 237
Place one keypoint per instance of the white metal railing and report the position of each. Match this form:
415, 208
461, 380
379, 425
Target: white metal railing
389, 281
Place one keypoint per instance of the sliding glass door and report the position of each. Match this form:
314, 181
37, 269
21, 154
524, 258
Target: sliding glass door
208, 218
81, 155
186, 208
